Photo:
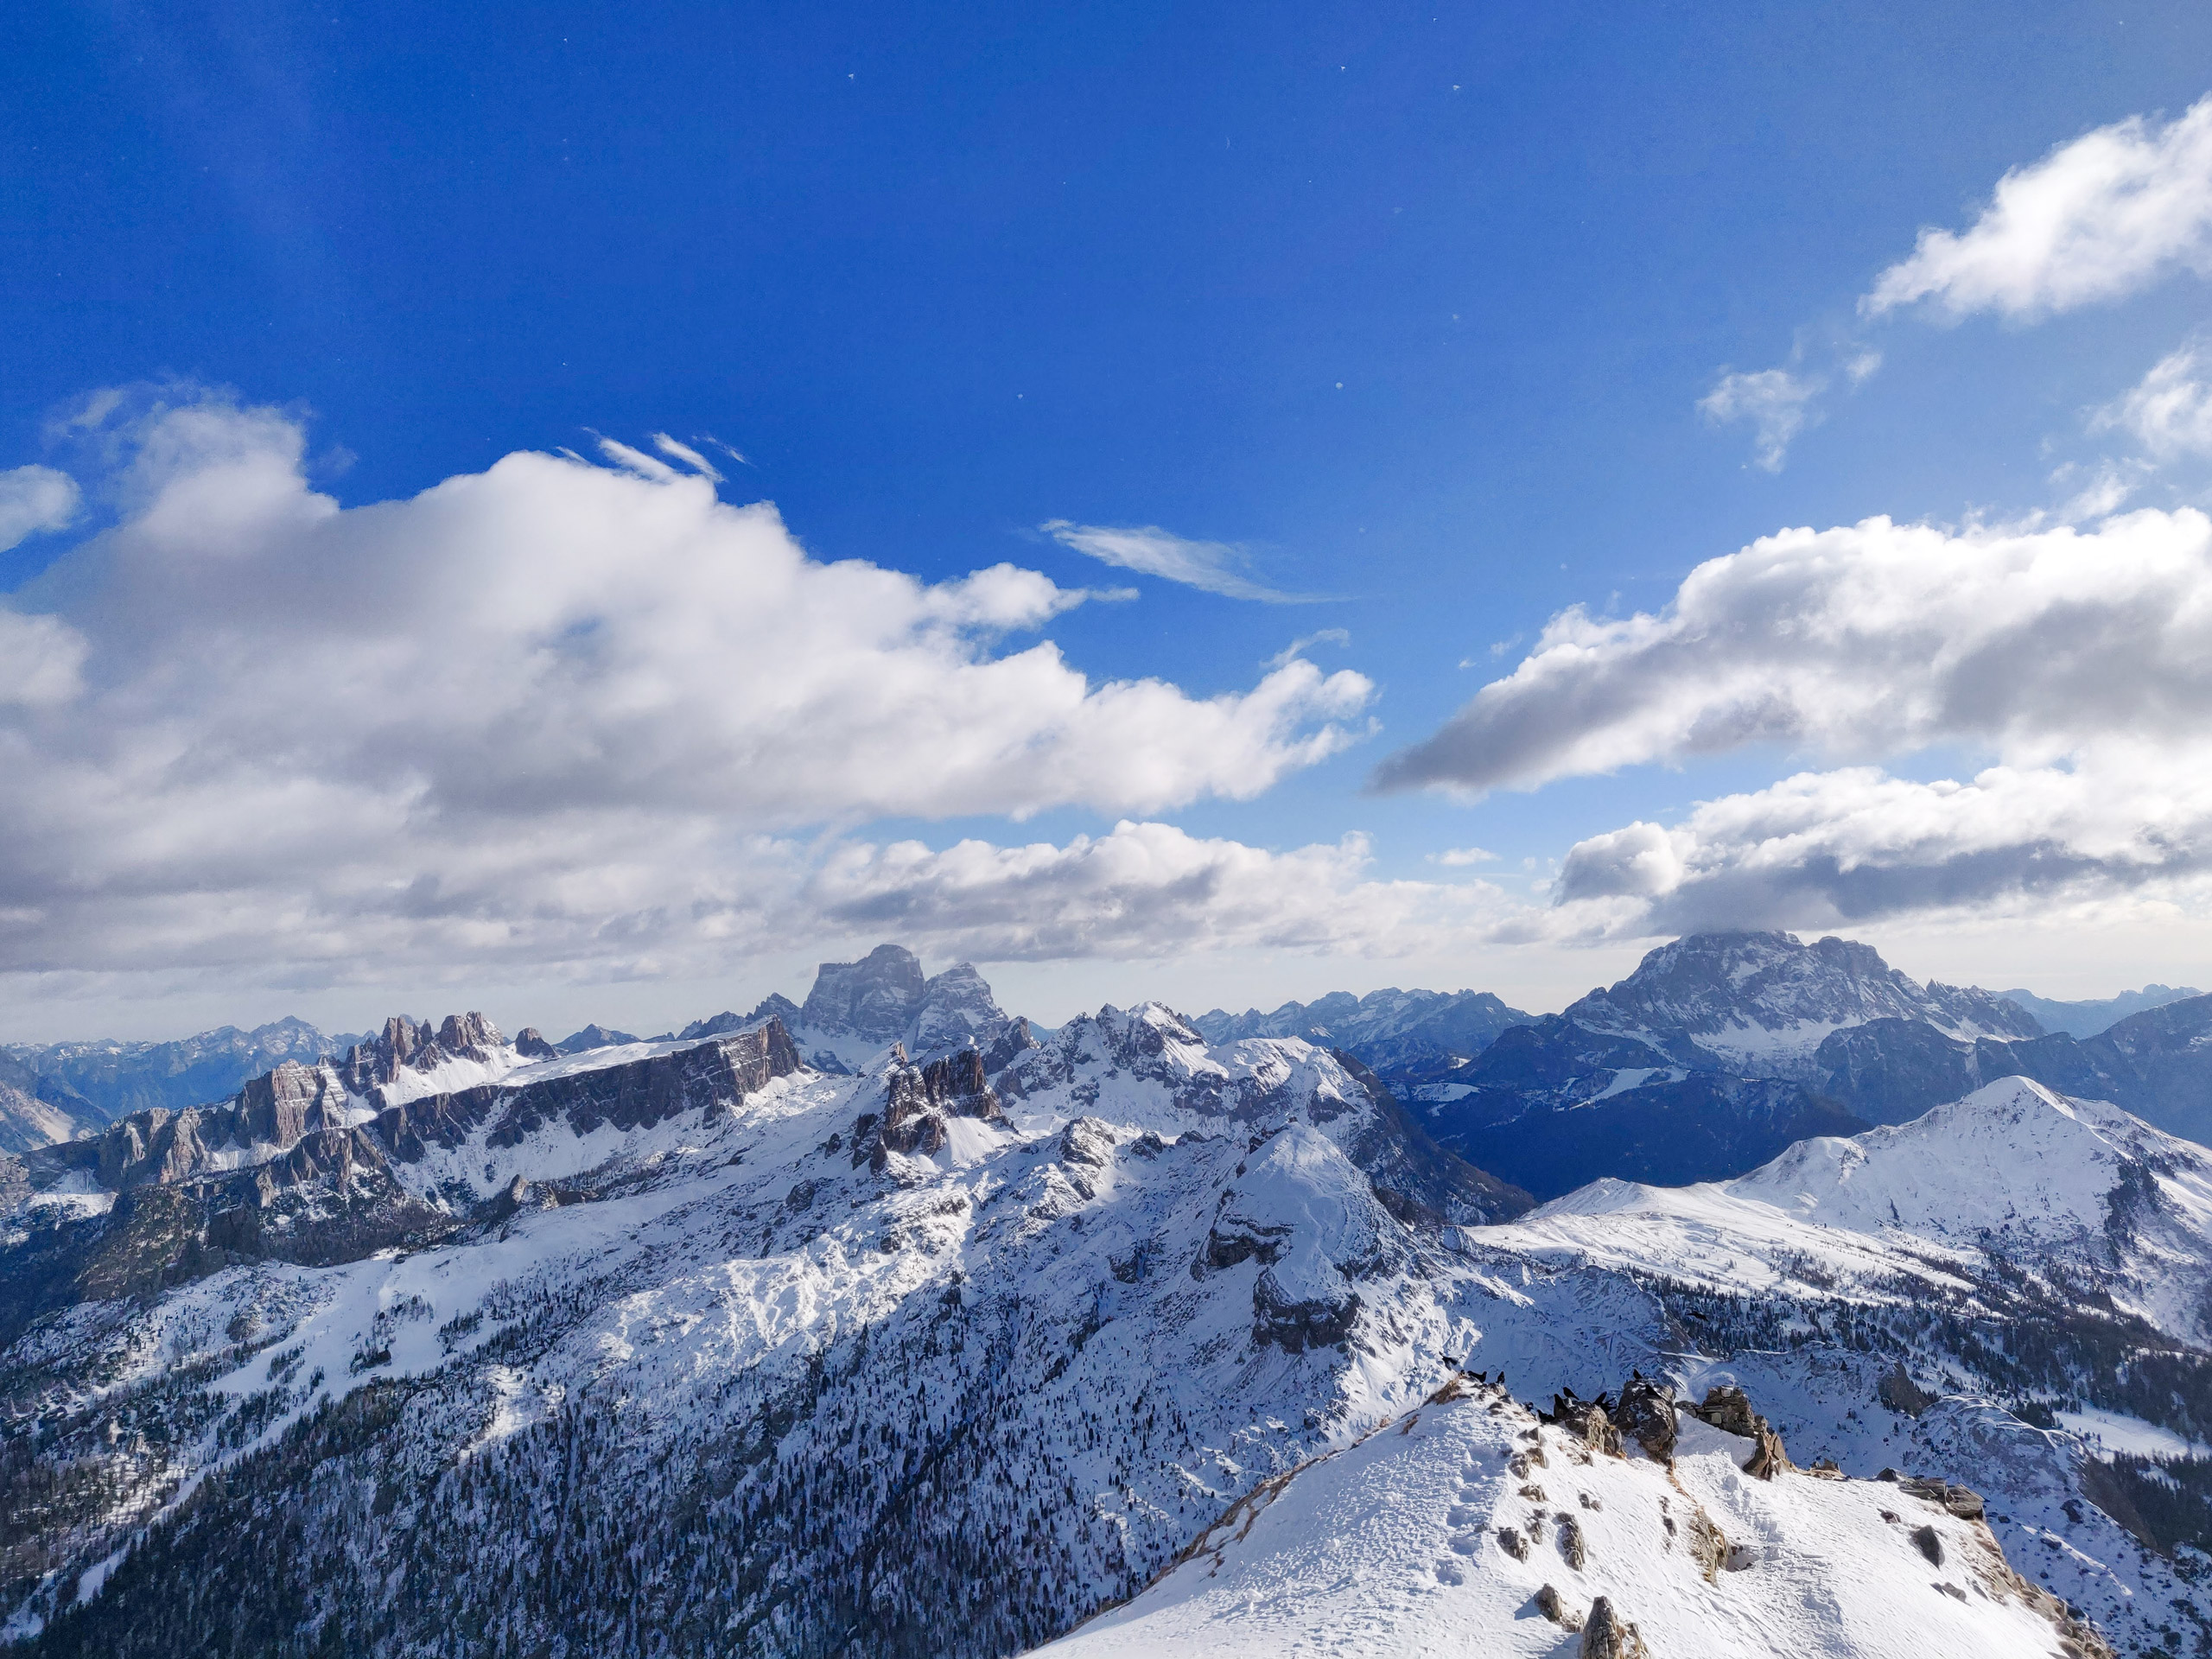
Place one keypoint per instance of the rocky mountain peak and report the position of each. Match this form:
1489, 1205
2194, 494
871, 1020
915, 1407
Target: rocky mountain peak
1744, 988
875, 997
417, 1045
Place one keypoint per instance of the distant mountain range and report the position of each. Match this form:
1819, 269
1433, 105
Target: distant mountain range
2088, 1019
1722, 1049
51, 1091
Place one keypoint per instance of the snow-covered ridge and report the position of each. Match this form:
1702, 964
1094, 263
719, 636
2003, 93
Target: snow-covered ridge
1468, 1527
2014, 1169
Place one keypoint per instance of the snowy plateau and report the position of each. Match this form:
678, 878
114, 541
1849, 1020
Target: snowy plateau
877, 1326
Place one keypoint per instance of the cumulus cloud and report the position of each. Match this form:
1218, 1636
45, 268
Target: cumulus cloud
550, 712
1152, 552
2097, 219
2169, 411
1874, 638
1777, 402
32, 499
2082, 660
2124, 826
1463, 856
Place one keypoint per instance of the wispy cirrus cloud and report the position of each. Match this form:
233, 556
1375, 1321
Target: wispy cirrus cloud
1213, 567
1776, 402
2169, 411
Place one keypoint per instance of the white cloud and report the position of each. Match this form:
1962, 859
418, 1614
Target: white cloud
1152, 551
2097, 219
1874, 638
552, 713
2123, 830
1775, 402
32, 499
1456, 856
2103, 492
1306, 642
2083, 661
2169, 411
1152, 890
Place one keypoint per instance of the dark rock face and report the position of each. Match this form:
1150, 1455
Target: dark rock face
874, 997
1606, 1634
1646, 1415
1296, 1325
402, 1043
1900, 1393
1552, 1606
918, 1101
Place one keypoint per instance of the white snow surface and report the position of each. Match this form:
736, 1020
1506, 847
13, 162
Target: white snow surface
1392, 1547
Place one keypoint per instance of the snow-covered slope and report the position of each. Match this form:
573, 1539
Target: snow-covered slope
2014, 1162
1111, 1290
2014, 1171
1441, 1534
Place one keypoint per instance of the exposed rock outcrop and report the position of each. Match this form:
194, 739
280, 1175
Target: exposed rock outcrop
1606, 1634
1729, 1409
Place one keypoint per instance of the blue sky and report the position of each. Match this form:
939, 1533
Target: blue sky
1411, 307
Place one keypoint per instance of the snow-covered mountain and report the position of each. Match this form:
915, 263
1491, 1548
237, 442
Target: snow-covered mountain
1761, 1004
691, 1346
1722, 1049
1393, 1032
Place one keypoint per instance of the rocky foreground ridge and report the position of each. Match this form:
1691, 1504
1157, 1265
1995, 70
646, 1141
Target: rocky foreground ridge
1476, 1524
